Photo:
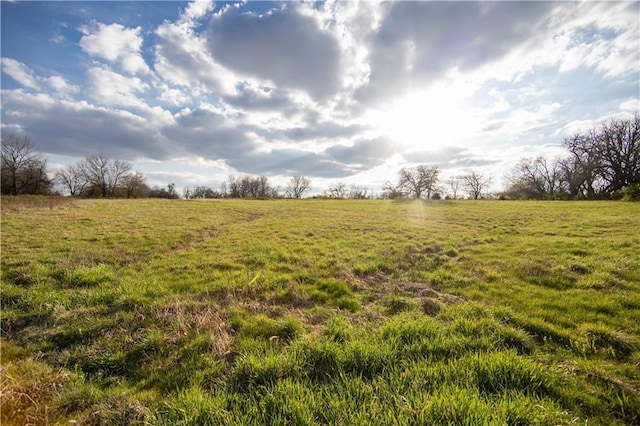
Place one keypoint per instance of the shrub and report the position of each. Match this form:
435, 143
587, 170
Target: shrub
631, 192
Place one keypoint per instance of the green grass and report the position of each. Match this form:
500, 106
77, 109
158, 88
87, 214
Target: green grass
320, 312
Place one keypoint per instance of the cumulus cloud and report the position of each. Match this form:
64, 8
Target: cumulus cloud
336, 161
283, 46
173, 96
261, 98
115, 43
62, 86
211, 134
20, 73
319, 131
182, 59
111, 88
28, 79
196, 10
80, 128
416, 43
631, 105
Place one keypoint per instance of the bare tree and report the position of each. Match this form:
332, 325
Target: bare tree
391, 191
584, 165
536, 178
202, 192
619, 149
95, 169
475, 183
454, 183
264, 189
233, 187
135, 186
337, 190
419, 181
22, 167
297, 186
604, 160
104, 175
72, 180
250, 187
119, 173
98, 176
358, 192
573, 182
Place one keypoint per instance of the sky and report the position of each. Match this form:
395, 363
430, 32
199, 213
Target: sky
338, 91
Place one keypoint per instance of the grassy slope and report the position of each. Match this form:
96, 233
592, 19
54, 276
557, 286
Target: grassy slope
321, 312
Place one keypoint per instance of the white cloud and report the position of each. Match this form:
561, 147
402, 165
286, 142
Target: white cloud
111, 88
631, 105
196, 10
62, 87
607, 36
526, 122
182, 59
600, 35
27, 78
582, 126
173, 96
20, 73
115, 43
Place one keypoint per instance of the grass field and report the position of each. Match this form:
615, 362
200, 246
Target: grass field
320, 312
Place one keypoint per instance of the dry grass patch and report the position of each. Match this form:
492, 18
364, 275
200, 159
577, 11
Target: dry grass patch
33, 202
27, 390
184, 318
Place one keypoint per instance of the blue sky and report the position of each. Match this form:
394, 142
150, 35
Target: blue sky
337, 91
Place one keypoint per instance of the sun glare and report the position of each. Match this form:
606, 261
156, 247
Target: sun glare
425, 121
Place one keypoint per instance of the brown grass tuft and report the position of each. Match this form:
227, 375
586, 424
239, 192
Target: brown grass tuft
196, 318
26, 390
33, 202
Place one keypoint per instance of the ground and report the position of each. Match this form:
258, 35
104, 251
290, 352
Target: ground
320, 312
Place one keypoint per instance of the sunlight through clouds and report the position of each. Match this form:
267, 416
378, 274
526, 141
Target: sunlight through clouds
329, 90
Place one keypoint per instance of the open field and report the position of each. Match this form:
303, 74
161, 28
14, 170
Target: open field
320, 312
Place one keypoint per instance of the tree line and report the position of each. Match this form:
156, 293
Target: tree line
256, 187
24, 172
602, 163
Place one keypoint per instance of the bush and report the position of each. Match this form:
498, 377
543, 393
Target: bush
631, 192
